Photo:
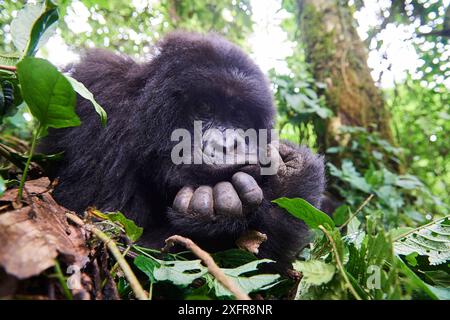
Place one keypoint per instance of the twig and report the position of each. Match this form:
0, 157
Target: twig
357, 211
213, 268
8, 68
339, 263
131, 277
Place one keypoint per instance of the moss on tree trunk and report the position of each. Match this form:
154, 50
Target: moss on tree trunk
338, 58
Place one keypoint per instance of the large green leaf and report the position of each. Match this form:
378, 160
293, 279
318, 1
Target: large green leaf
301, 209
431, 240
48, 94
85, 93
247, 284
180, 273
315, 272
33, 26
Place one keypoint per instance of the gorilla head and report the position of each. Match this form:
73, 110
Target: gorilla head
199, 78
129, 165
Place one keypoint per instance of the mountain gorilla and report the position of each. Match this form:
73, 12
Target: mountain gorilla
127, 165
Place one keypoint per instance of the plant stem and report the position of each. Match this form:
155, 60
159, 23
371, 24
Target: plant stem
339, 263
357, 211
62, 281
113, 270
150, 291
131, 277
27, 165
8, 68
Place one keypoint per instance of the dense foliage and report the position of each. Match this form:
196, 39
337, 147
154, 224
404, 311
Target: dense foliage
389, 238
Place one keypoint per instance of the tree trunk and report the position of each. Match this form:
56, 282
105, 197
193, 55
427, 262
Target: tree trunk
338, 58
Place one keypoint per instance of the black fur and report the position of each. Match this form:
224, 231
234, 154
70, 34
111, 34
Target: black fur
126, 166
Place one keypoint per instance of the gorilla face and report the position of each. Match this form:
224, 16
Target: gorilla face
212, 94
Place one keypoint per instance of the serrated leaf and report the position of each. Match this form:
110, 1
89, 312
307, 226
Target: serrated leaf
48, 94
315, 272
85, 93
302, 210
33, 26
246, 284
431, 240
180, 273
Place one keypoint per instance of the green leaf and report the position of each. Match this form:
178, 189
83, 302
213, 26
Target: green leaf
431, 240
46, 22
85, 93
438, 277
341, 214
315, 272
147, 265
233, 258
48, 94
416, 281
302, 210
33, 26
2, 186
132, 231
246, 284
9, 59
180, 273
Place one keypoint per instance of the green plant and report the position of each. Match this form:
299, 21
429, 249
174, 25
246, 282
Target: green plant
48, 94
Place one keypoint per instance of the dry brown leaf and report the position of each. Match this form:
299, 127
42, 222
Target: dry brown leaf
33, 236
251, 240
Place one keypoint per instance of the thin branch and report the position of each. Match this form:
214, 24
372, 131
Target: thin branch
357, 211
339, 263
213, 268
8, 68
131, 277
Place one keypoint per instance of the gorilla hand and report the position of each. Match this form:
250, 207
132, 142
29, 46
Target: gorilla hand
300, 174
216, 210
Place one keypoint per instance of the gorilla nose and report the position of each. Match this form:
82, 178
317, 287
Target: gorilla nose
228, 148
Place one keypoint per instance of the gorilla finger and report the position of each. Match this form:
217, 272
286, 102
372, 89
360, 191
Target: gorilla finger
226, 200
285, 150
202, 201
182, 199
247, 188
277, 159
